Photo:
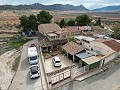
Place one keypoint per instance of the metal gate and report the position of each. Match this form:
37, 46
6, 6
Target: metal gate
60, 76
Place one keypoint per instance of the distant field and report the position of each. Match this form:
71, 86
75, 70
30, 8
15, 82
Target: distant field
73, 14
11, 18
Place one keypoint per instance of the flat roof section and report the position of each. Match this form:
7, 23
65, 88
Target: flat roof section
91, 60
80, 37
51, 34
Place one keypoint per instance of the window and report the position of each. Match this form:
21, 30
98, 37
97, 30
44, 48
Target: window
64, 36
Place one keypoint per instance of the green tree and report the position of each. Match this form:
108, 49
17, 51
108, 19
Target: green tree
62, 23
32, 22
83, 20
71, 23
98, 22
24, 23
116, 33
44, 17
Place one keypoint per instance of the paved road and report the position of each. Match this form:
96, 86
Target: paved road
109, 80
22, 79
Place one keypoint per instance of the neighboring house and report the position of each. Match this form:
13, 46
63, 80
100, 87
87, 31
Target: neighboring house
105, 49
83, 40
108, 48
77, 30
77, 53
97, 30
54, 36
85, 28
73, 30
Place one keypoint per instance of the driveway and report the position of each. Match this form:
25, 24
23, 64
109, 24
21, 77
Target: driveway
22, 79
65, 62
109, 80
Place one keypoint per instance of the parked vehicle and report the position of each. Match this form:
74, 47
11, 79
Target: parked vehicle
34, 71
56, 61
33, 55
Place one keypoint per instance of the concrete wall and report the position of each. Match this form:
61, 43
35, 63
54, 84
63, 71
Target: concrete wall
111, 57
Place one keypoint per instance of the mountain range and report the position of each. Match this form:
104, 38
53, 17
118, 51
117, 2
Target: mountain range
61, 7
39, 6
109, 8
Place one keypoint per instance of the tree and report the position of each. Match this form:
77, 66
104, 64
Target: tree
32, 22
44, 17
71, 23
98, 22
116, 33
83, 20
62, 23
24, 22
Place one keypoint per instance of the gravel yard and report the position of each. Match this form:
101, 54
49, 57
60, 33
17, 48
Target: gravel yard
7, 73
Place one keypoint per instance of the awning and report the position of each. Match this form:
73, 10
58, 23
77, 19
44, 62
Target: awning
91, 60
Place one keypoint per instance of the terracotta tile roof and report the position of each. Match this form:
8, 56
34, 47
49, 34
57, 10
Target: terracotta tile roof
113, 45
82, 28
40, 37
72, 48
48, 28
73, 29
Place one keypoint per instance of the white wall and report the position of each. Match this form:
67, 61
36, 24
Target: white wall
111, 57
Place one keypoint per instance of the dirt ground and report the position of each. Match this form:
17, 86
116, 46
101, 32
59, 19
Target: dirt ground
6, 73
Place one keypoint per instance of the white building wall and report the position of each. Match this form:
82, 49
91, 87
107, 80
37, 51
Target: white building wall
111, 57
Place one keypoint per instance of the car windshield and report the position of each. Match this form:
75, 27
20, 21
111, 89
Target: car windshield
33, 58
57, 61
34, 70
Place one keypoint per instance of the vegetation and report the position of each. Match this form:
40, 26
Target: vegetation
15, 64
62, 23
83, 20
71, 39
28, 23
98, 22
71, 23
44, 17
18, 43
116, 33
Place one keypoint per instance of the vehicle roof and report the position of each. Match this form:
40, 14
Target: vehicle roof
56, 58
34, 66
32, 51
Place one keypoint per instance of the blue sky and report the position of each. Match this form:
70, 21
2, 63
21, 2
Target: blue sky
90, 4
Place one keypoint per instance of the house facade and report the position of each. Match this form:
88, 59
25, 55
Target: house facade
54, 36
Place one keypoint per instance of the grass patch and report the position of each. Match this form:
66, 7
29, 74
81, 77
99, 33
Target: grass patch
15, 64
18, 43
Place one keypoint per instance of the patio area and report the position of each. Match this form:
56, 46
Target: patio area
49, 66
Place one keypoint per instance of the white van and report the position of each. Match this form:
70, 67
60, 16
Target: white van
32, 55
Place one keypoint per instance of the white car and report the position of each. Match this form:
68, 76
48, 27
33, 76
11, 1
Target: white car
34, 71
56, 61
